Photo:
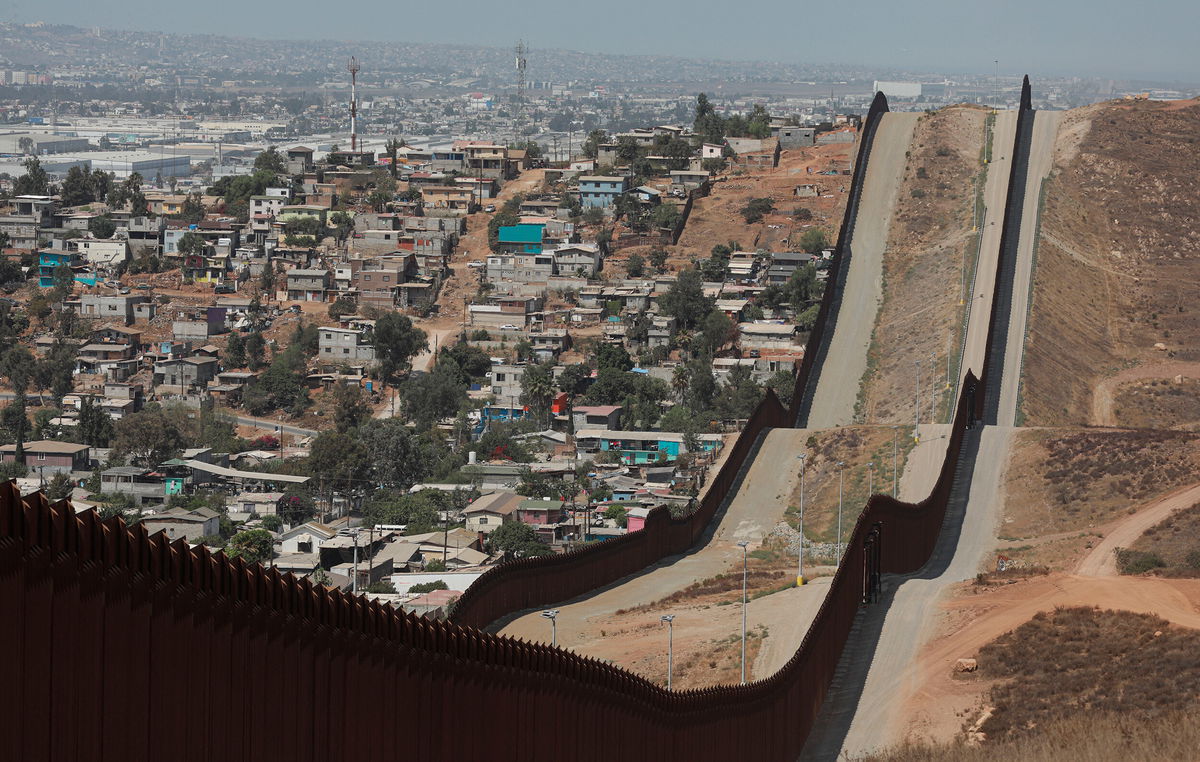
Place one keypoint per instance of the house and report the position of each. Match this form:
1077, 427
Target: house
299, 160
635, 519
190, 372
269, 206
792, 136
50, 260
306, 538
506, 383
307, 285
596, 417
768, 335
447, 199
489, 511
540, 512
582, 259
49, 456
255, 503
637, 447
683, 180
189, 525
140, 484
521, 239
601, 191
336, 346
520, 267
103, 252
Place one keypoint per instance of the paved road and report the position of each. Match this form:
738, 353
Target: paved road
270, 425
846, 362
994, 197
754, 511
1041, 159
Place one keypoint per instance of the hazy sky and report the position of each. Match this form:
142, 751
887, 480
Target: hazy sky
1103, 38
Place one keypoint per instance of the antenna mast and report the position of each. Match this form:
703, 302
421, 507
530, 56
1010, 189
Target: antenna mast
353, 68
521, 63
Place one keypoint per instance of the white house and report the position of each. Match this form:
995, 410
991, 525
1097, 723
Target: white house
306, 538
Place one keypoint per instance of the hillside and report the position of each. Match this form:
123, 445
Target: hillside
1118, 254
930, 243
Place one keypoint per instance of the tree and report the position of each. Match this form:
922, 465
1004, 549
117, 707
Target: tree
351, 409
398, 458
272, 161
76, 188
295, 507
252, 546
193, 208
95, 425
235, 351
718, 330
271, 522
617, 513
55, 371
665, 216
392, 147
426, 587
190, 244
537, 391
756, 208
814, 240
429, 397
575, 379
658, 258
396, 342
740, 395
18, 366
15, 421
685, 299
35, 181
591, 145
612, 356
255, 348
340, 461
344, 305
343, 223
802, 287
418, 512
284, 381
518, 539
64, 282
149, 436
102, 226
635, 266
59, 487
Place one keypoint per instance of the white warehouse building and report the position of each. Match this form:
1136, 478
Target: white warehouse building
146, 163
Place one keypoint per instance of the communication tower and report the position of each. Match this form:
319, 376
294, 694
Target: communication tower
521, 64
353, 68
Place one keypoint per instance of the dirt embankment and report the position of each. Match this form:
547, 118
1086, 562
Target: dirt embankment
930, 244
1118, 256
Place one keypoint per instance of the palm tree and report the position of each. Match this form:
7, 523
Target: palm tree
679, 381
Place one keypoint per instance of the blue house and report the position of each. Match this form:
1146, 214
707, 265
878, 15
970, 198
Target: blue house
601, 191
641, 447
521, 239
50, 260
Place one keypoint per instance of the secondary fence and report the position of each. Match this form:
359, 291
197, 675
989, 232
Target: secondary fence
121, 645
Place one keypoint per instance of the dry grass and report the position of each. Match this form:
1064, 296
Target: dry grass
1074, 480
1091, 736
855, 446
1174, 543
1118, 254
1158, 403
930, 241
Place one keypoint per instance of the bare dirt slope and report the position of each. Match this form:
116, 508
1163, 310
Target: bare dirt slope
929, 256
1118, 257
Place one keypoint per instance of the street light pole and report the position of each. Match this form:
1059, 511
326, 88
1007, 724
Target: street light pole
841, 470
354, 581
743, 545
870, 479
669, 619
552, 615
895, 450
800, 549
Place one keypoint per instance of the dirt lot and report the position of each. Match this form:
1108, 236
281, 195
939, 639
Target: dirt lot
930, 243
1118, 258
717, 218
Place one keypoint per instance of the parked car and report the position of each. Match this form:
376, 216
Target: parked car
509, 327
490, 208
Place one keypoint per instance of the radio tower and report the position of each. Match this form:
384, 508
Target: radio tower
353, 68
521, 62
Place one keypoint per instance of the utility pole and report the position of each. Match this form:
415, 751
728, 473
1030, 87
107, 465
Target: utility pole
353, 68
841, 467
895, 451
800, 552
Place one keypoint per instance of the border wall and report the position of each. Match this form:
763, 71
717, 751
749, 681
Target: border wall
121, 645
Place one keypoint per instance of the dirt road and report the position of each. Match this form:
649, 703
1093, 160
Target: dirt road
1102, 561
933, 708
1041, 159
846, 362
754, 511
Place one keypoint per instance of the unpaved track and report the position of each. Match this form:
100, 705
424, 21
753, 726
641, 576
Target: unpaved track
1041, 159
754, 511
846, 361
994, 196
1102, 561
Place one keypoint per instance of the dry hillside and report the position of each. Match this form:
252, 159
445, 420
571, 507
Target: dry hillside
1118, 256
930, 242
